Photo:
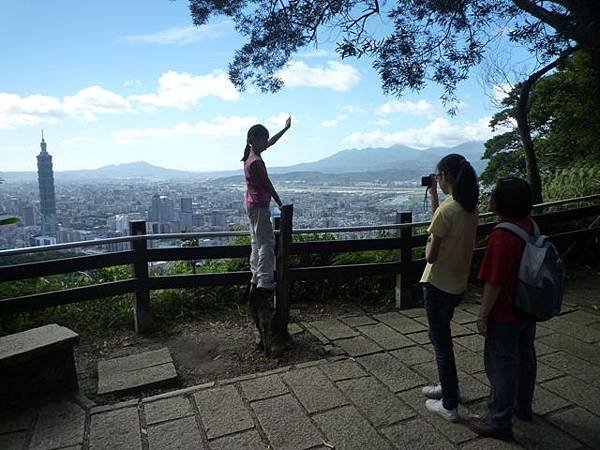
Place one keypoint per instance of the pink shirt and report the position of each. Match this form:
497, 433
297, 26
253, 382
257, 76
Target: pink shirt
258, 195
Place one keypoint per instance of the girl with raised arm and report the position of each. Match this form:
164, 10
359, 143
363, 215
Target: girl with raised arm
259, 192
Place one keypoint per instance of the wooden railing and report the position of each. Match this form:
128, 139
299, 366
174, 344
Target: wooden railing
140, 256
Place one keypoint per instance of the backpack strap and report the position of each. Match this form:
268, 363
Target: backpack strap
515, 229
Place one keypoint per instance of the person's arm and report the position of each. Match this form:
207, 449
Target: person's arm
432, 249
275, 137
490, 296
263, 176
435, 199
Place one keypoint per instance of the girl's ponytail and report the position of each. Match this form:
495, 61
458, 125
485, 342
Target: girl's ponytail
462, 176
246, 152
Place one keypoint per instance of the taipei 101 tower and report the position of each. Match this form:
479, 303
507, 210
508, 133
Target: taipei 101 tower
47, 195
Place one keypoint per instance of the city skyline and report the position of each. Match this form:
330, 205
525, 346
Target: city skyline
129, 87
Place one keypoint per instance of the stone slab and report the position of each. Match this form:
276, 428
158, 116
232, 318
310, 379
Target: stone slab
182, 434
136, 372
59, 424
491, 444
294, 328
376, 401
462, 330
343, 370
571, 346
222, 411
400, 323
275, 416
455, 432
26, 344
314, 390
385, 336
581, 317
580, 424
546, 372
413, 312
389, 370
263, 387
417, 435
358, 346
540, 434
578, 331
167, 409
345, 428
462, 317
333, 329
474, 342
574, 366
115, 429
358, 321
545, 402
11, 422
413, 355
13, 441
248, 440
576, 391
468, 361
420, 338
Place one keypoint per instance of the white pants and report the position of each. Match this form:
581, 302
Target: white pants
262, 258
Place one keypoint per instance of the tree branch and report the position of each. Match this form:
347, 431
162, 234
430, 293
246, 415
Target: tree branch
557, 21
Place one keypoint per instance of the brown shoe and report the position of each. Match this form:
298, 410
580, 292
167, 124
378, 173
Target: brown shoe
481, 426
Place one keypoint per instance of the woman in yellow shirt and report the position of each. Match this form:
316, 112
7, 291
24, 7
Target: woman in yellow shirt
448, 252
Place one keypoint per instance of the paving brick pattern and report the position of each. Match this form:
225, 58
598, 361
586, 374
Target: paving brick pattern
368, 398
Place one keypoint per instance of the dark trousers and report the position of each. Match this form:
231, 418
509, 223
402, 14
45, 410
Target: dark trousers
511, 366
440, 309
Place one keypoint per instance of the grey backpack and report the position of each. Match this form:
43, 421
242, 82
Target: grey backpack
541, 278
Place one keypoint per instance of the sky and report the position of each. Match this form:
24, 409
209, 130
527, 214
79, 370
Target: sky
121, 81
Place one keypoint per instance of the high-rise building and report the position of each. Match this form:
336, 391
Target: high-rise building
185, 215
47, 194
28, 216
154, 209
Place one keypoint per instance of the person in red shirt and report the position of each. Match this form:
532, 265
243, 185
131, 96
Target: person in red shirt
510, 360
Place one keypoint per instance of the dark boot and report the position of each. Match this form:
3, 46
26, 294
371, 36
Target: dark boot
484, 429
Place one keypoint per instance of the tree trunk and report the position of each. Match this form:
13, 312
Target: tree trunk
523, 104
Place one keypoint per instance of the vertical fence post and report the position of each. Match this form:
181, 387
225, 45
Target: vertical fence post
402, 291
142, 313
282, 306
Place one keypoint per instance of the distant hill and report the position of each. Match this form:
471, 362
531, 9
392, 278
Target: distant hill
392, 163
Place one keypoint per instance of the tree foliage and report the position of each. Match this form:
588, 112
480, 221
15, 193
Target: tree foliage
411, 42
564, 118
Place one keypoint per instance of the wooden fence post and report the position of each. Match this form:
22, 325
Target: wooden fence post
282, 306
403, 290
142, 312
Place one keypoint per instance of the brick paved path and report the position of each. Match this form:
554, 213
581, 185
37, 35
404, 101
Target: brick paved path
366, 398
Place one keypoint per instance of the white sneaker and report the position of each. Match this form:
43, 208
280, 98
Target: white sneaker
433, 391
437, 407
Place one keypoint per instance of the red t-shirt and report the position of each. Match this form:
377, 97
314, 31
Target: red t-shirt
500, 267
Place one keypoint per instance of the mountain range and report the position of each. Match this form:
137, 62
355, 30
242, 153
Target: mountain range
398, 162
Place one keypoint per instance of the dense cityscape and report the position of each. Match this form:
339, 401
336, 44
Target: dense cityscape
52, 212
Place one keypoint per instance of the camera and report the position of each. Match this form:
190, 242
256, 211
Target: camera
426, 181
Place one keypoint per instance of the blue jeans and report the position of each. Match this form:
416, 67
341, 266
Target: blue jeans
511, 367
440, 309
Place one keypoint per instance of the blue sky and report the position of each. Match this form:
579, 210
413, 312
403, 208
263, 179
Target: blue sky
121, 81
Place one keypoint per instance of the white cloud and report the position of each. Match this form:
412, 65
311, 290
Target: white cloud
277, 122
337, 76
182, 35
219, 127
132, 83
380, 122
418, 108
183, 90
37, 109
316, 53
440, 132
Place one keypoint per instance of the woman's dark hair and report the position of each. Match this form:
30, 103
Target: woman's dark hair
512, 197
255, 131
462, 177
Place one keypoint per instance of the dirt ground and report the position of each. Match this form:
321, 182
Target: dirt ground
223, 346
